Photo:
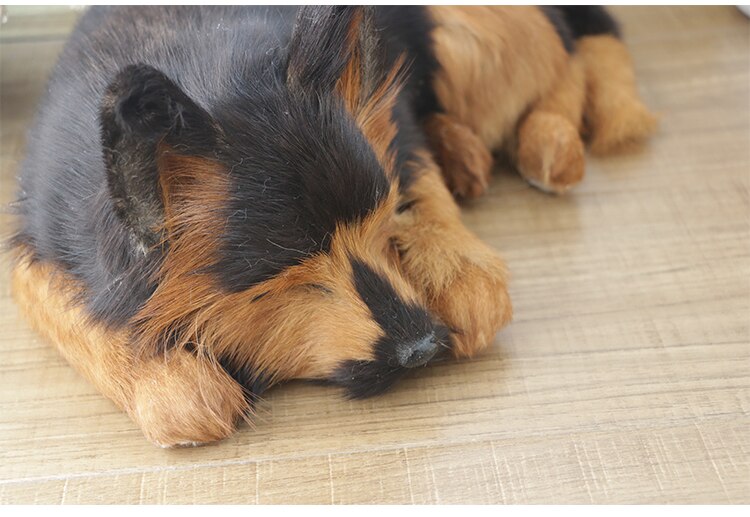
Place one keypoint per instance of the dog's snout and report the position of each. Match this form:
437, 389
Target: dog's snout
417, 353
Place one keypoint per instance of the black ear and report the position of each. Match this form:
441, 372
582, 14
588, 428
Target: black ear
327, 41
142, 109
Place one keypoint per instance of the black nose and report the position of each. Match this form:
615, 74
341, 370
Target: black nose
417, 353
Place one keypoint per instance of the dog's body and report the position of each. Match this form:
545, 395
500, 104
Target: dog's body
219, 199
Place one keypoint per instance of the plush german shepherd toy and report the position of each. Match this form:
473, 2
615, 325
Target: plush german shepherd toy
216, 200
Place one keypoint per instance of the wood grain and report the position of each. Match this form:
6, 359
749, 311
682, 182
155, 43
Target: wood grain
624, 377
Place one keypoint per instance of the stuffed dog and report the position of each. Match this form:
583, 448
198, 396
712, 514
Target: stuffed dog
218, 199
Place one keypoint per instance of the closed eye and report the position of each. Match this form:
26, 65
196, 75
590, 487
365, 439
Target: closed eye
405, 205
317, 287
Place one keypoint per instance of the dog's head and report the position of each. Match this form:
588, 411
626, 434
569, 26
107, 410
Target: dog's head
273, 209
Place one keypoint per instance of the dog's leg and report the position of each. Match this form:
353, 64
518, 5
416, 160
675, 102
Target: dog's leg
463, 157
550, 152
499, 65
463, 281
615, 114
176, 398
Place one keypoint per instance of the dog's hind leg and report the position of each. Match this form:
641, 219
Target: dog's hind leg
464, 159
549, 152
176, 398
497, 65
615, 115
462, 280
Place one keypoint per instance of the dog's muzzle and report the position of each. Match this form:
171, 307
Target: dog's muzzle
417, 353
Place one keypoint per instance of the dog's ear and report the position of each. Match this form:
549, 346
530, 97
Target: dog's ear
369, 85
319, 47
334, 43
143, 115
339, 49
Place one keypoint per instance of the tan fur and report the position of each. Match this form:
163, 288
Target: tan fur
463, 280
549, 152
568, 96
506, 76
615, 115
177, 398
464, 160
495, 63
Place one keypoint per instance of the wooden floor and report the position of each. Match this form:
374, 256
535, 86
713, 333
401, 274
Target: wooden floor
624, 377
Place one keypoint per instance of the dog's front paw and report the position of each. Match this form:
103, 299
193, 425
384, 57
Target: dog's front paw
183, 401
475, 304
461, 279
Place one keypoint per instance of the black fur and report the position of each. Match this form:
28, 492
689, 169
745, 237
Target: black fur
362, 379
289, 189
576, 21
589, 20
401, 321
315, 60
558, 21
407, 29
254, 383
297, 164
